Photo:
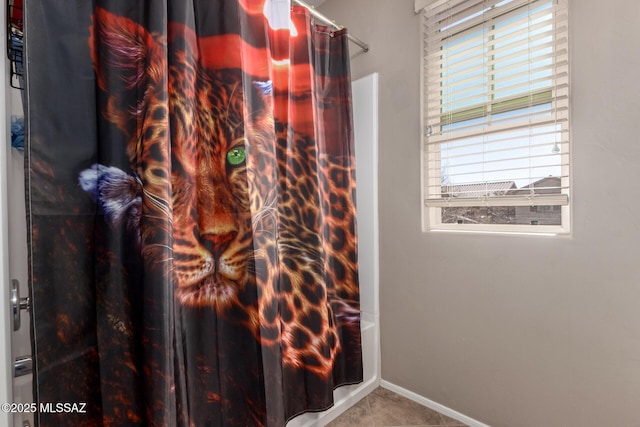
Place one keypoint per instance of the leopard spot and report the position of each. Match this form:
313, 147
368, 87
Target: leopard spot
262, 270
311, 186
159, 114
344, 294
331, 340
305, 194
155, 153
339, 239
296, 167
300, 339
270, 332
311, 360
338, 268
291, 264
285, 284
328, 280
148, 134
308, 278
313, 321
337, 213
303, 143
285, 311
326, 351
249, 296
271, 311
309, 219
339, 178
310, 295
295, 194
160, 173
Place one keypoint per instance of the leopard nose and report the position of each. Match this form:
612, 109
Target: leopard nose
216, 239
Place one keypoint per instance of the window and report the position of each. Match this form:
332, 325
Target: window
496, 115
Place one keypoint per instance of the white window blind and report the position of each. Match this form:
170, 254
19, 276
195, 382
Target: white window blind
496, 107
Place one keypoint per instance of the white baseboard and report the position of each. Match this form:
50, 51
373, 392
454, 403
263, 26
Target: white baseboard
431, 404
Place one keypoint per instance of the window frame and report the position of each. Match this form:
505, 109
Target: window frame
432, 215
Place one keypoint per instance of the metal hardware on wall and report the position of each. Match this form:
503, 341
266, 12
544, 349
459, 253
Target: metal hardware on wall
364, 46
18, 304
15, 43
23, 365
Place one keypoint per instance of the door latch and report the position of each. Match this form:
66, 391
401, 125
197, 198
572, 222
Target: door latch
18, 304
22, 365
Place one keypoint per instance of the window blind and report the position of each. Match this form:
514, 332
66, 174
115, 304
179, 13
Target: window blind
496, 109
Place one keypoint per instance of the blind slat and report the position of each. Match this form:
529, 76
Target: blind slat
439, 33
471, 51
538, 147
537, 200
456, 24
440, 137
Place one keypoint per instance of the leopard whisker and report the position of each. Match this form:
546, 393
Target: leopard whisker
312, 256
159, 202
268, 209
160, 245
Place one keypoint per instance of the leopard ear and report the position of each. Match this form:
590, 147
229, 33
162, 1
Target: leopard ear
259, 111
118, 194
259, 99
266, 88
124, 50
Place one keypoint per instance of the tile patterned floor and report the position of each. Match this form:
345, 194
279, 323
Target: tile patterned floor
384, 408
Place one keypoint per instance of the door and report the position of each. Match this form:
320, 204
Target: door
13, 254
17, 257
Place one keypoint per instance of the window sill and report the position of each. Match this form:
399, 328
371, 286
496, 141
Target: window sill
539, 231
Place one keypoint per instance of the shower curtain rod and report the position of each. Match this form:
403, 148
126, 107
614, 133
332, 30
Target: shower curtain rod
321, 17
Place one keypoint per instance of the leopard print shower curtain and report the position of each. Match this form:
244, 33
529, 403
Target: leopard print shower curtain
192, 212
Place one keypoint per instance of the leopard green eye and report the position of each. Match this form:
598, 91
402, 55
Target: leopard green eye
236, 156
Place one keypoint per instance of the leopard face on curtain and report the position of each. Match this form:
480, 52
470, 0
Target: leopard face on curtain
192, 217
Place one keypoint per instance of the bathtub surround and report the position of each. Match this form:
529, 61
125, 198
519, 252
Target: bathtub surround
514, 330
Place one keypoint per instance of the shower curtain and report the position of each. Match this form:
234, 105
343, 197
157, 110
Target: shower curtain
191, 189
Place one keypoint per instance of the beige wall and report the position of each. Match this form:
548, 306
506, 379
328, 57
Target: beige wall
515, 331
